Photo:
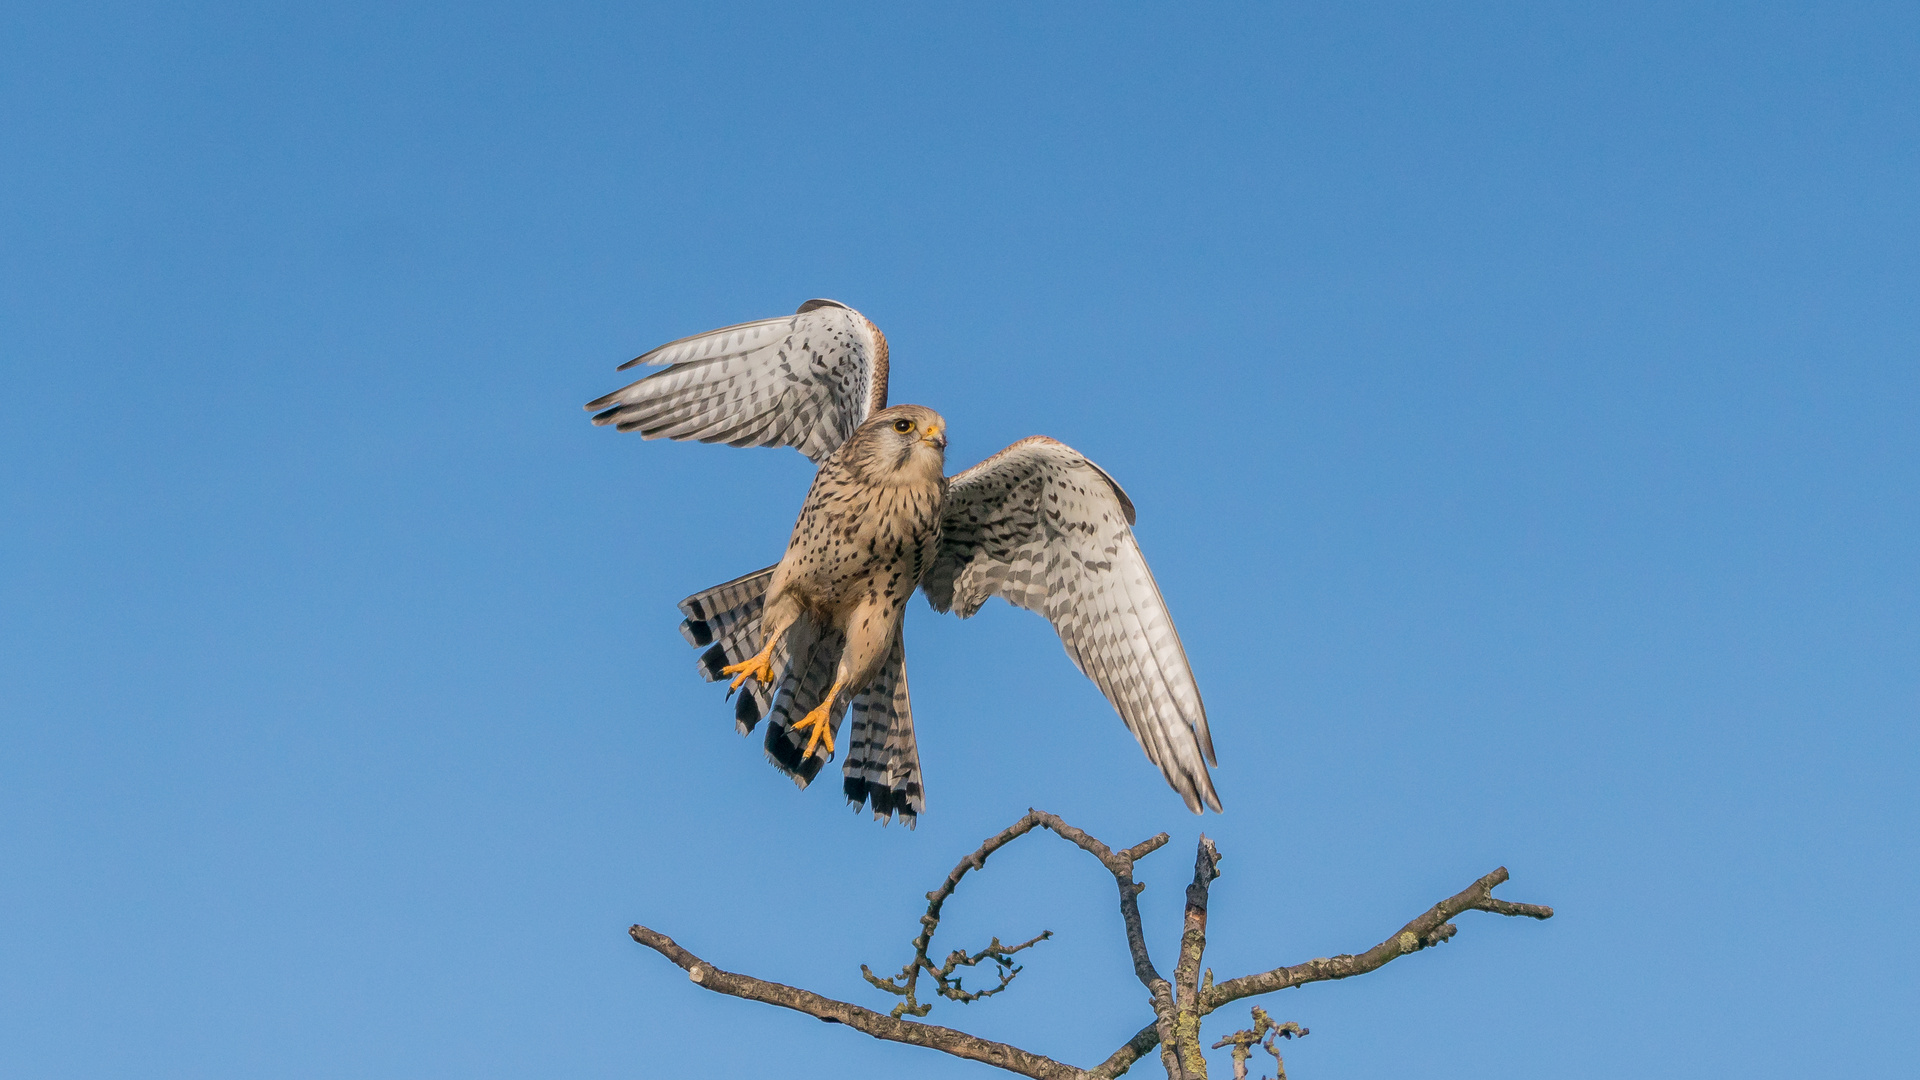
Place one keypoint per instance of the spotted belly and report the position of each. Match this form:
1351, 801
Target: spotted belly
864, 550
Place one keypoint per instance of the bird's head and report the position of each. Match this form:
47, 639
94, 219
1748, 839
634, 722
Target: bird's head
905, 439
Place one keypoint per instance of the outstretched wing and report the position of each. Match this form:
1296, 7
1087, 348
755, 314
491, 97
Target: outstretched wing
805, 380
1046, 529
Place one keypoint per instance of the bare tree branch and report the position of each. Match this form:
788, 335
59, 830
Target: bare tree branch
1429, 929
957, 1043
1178, 1006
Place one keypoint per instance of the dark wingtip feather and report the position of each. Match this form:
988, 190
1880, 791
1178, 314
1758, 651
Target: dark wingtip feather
711, 662
697, 632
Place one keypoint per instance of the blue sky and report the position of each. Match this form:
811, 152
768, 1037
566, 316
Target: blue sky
1520, 405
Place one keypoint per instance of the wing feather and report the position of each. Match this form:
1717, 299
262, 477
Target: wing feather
805, 380
1044, 528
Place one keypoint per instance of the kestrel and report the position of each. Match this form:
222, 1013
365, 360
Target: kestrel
819, 631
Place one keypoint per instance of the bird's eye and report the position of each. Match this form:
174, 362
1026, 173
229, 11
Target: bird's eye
903, 426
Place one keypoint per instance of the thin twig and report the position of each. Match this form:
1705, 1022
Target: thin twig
945, 982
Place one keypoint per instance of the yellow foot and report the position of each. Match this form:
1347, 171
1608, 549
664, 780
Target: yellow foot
822, 729
755, 667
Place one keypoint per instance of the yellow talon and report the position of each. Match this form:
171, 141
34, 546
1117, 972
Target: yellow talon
822, 729
754, 667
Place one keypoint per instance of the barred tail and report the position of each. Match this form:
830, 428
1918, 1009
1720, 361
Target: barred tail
727, 617
883, 762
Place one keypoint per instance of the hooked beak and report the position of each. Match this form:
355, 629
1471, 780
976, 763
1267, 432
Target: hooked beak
937, 438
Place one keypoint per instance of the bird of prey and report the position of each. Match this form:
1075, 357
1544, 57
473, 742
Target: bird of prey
820, 631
